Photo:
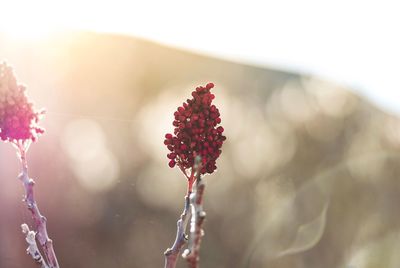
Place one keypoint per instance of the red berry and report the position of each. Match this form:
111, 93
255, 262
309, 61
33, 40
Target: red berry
171, 163
167, 142
209, 86
171, 156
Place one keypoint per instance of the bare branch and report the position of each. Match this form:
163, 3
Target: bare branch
40, 221
33, 249
198, 215
171, 254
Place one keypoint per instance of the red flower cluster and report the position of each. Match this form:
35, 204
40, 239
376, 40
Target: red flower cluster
18, 119
196, 132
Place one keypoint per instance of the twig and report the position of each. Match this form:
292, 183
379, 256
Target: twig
40, 221
171, 254
33, 249
198, 215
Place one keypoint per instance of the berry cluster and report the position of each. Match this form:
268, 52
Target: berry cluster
18, 119
196, 132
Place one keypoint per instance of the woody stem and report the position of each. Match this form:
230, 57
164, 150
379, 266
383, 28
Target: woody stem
171, 254
40, 221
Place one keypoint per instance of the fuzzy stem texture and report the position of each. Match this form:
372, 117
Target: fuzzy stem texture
198, 215
40, 221
171, 254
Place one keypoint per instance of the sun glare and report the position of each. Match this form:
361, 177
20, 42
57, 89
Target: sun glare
23, 20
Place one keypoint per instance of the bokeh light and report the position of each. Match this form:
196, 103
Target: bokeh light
308, 176
97, 169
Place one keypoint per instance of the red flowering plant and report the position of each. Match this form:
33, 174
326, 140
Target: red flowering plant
18, 119
194, 146
196, 133
19, 126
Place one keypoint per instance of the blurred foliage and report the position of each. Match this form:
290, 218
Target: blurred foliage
307, 178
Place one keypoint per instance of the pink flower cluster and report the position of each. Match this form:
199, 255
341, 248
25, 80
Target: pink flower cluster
196, 132
18, 119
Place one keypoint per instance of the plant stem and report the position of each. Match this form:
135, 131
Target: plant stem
33, 249
171, 254
198, 215
40, 221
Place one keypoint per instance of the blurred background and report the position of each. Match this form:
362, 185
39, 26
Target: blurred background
308, 97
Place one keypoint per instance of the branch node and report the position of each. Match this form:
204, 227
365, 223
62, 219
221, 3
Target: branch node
186, 253
33, 249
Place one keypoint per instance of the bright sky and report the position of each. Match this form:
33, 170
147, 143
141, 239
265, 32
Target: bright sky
356, 43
